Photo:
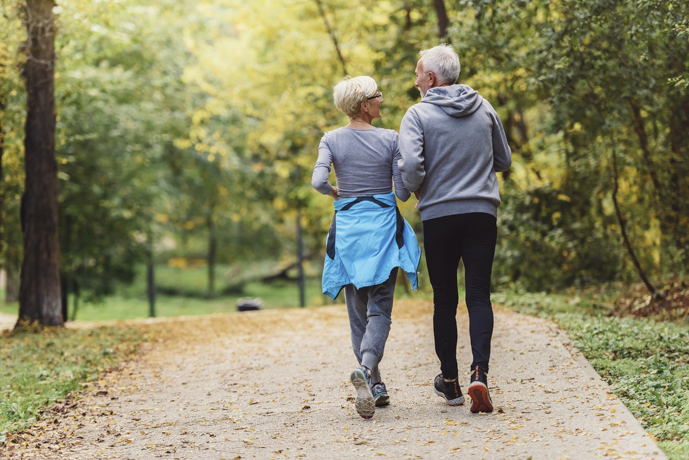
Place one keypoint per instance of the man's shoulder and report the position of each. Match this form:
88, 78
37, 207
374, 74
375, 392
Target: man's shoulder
487, 105
415, 108
415, 112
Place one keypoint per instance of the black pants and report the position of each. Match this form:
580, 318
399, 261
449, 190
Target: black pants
447, 240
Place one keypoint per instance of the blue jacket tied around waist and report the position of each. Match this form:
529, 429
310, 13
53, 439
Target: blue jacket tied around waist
367, 239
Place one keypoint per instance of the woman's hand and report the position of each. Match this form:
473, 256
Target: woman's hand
334, 193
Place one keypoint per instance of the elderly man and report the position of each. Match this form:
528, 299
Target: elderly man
451, 144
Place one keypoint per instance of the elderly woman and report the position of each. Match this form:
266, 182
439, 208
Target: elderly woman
368, 238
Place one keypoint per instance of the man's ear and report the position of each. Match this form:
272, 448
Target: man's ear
434, 79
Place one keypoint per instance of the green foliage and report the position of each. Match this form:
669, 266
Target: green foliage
38, 369
197, 122
568, 79
121, 106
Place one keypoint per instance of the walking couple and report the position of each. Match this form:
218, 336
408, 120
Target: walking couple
448, 150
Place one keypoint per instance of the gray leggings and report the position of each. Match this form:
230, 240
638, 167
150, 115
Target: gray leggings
369, 311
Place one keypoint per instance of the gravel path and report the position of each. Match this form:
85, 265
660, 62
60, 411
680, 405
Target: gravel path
280, 389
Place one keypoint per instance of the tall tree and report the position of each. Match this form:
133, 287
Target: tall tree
3, 103
39, 292
442, 18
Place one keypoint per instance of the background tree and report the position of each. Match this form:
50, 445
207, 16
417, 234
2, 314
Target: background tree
39, 292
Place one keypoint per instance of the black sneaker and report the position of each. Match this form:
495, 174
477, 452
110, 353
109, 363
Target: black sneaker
380, 394
365, 404
448, 390
478, 392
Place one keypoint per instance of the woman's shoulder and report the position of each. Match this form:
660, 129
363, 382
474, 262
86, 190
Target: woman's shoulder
391, 136
333, 132
389, 132
331, 135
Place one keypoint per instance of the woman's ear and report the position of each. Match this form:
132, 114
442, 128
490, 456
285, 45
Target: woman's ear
364, 106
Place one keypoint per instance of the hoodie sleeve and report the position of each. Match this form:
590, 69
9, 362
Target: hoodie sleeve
319, 180
400, 189
411, 163
502, 154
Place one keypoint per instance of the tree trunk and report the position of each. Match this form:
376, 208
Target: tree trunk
331, 32
623, 223
442, 18
65, 274
300, 260
75, 290
39, 291
407, 22
212, 249
150, 281
3, 103
640, 130
4, 60
615, 189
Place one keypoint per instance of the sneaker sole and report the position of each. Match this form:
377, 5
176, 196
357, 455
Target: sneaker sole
383, 400
365, 404
450, 402
480, 399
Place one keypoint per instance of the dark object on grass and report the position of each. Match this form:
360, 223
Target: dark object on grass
249, 304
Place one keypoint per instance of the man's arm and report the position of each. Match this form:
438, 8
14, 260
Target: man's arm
502, 154
411, 163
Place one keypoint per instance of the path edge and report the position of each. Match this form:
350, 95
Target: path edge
591, 372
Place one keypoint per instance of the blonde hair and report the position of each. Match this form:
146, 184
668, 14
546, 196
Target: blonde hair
351, 92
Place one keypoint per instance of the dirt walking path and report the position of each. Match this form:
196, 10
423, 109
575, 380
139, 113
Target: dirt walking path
280, 390
7, 321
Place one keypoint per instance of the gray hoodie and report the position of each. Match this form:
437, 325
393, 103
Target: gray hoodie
452, 143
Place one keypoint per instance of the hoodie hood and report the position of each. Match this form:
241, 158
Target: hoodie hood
456, 100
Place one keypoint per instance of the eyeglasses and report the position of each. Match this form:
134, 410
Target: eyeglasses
380, 95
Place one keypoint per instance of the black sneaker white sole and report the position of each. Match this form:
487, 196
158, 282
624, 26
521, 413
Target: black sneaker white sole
365, 404
451, 402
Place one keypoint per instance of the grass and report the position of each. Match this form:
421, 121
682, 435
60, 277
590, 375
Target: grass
40, 368
645, 362
131, 302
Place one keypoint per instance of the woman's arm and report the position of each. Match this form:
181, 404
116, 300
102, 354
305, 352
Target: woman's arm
319, 179
400, 189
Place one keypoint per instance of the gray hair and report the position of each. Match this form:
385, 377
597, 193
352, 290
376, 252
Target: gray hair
443, 61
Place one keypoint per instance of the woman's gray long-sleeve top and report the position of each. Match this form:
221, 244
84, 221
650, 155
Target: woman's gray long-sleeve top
365, 162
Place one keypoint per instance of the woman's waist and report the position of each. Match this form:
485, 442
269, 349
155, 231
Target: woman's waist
357, 192
377, 202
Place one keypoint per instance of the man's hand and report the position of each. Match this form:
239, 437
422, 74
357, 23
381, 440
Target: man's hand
417, 193
334, 193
